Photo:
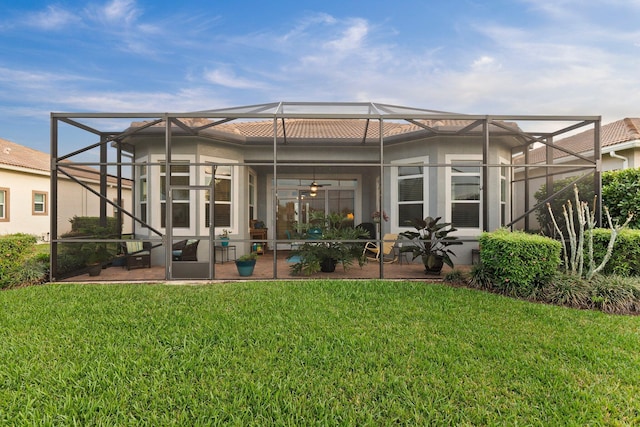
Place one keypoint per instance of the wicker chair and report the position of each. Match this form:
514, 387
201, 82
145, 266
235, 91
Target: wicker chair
185, 250
137, 254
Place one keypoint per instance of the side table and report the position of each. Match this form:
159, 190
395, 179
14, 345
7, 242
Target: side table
224, 253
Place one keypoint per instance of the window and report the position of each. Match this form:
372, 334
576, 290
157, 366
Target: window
504, 194
4, 204
143, 192
39, 203
222, 195
181, 201
252, 195
464, 180
410, 193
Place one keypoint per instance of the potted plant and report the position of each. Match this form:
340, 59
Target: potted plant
431, 242
246, 263
224, 237
97, 254
336, 244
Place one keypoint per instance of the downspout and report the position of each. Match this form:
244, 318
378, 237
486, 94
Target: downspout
625, 160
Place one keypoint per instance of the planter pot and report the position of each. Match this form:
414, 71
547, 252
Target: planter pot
94, 270
245, 268
328, 265
432, 264
224, 241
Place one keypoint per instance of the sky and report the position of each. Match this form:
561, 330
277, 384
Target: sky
549, 57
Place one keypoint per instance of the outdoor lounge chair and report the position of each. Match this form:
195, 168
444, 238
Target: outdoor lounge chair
387, 254
185, 250
137, 254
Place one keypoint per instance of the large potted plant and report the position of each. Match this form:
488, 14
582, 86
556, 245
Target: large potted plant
431, 242
246, 263
336, 244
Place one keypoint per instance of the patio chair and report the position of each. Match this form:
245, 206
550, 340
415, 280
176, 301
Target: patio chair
387, 254
137, 254
185, 250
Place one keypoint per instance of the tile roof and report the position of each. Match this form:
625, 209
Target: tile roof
332, 129
620, 131
17, 155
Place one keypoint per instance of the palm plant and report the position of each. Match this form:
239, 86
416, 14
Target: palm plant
430, 241
338, 244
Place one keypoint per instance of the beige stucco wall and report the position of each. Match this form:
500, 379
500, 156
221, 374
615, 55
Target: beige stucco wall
21, 184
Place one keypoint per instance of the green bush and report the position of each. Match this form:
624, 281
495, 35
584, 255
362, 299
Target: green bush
519, 264
585, 189
625, 259
621, 194
73, 256
14, 250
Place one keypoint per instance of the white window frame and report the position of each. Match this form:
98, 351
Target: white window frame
506, 178
43, 204
234, 203
252, 190
140, 179
154, 206
395, 178
4, 216
452, 159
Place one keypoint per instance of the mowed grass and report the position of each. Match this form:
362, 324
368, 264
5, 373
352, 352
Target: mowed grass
310, 353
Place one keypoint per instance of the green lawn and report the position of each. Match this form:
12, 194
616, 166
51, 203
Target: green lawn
310, 352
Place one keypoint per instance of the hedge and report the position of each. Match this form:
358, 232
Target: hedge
14, 249
625, 259
519, 263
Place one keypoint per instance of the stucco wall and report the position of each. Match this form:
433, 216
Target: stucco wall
21, 217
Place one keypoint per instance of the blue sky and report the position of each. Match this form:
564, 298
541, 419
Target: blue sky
558, 57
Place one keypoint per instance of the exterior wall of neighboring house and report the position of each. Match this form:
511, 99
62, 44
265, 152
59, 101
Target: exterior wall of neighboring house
75, 200
26, 202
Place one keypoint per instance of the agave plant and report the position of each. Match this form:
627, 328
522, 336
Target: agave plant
430, 241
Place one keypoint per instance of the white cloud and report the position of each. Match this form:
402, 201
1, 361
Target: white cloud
353, 37
226, 77
121, 12
53, 18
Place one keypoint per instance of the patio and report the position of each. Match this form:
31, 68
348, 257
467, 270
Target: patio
264, 271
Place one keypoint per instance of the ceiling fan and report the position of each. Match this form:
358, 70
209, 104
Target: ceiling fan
314, 186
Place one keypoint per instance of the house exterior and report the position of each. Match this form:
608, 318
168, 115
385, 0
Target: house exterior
25, 197
198, 174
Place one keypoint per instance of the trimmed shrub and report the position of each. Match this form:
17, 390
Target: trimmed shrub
519, 264
621, 194
625, 259
14, 250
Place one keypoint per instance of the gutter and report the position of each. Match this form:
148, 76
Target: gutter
625, 161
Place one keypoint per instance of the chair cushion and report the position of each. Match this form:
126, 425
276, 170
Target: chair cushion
135, 246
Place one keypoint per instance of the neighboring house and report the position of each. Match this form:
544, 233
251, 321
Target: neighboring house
197, 174
620, 149
25, 201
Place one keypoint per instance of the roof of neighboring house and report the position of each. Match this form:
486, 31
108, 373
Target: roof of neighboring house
13, 154
16, 155
618, 132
